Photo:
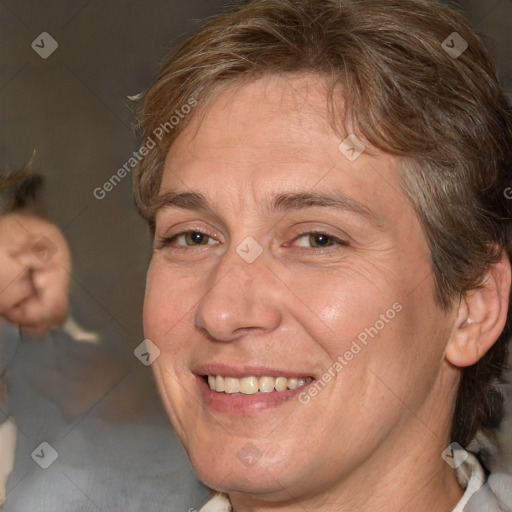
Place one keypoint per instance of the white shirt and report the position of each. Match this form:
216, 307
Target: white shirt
493, 495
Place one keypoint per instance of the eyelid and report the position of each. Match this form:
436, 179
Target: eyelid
340, 238
184, 227
162, 241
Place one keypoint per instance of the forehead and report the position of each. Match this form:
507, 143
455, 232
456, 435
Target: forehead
274, 135
275, 111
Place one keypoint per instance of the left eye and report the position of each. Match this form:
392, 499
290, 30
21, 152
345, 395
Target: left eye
192, 238
318, 240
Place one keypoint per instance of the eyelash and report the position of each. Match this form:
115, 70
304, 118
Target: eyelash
167, 241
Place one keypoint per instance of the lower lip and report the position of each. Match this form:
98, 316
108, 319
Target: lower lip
245, 405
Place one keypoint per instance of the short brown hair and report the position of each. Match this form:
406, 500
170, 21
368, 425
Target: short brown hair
445, 115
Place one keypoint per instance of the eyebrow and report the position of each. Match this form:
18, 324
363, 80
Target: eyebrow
284, 203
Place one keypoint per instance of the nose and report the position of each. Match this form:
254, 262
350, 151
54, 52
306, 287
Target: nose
242, 299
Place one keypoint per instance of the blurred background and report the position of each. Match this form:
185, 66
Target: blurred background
94, 402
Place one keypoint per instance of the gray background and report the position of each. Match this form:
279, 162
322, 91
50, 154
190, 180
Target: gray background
96, 404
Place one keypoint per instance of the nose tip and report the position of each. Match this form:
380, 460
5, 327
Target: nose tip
217, 326
240, 302
224, 316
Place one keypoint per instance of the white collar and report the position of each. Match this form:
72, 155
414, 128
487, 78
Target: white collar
219, 503
470, 475
493, 495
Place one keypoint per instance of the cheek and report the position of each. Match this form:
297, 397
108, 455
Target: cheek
335, 307
165, 318
167, 310
166, 303
370, 329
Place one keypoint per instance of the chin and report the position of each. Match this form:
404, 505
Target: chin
248, 481
240, 466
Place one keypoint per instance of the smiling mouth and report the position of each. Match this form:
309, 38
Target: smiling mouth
252, 385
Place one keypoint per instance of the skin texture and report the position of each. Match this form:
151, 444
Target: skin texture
372, 438
35, 269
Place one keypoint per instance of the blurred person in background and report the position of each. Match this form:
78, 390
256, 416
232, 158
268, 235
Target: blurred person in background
35, 260
35, 270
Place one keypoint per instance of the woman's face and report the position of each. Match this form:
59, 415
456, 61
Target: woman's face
283, 261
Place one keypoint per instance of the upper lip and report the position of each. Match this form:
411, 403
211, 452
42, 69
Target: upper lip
240, 371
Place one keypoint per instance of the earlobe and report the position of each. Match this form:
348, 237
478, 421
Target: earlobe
481, 316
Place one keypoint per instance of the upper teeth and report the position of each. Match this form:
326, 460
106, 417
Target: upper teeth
251, 385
